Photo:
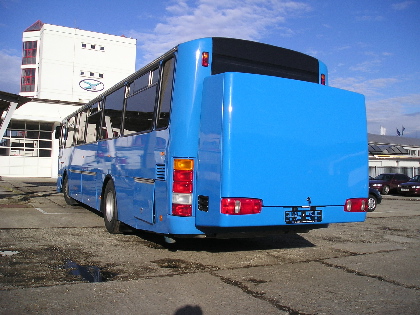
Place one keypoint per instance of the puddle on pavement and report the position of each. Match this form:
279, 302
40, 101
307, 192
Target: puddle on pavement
88, 273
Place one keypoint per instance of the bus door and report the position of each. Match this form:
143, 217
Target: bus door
74, 162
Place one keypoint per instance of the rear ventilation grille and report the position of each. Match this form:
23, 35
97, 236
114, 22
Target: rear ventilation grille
160, 172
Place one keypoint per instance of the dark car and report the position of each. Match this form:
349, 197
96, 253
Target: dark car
412, 187
385, 183
375, 198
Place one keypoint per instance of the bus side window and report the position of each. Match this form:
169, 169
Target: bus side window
71, 124
111, 124
165, 94
81, 130
141, 103
94, 123
60, 134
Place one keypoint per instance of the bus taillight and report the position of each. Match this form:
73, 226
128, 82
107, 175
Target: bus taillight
323, 81
241, 206
182, 187
205, 59
356, 205
182, 210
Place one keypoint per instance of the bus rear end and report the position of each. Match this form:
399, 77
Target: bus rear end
277, 154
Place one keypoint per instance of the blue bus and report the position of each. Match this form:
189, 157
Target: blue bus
220, 137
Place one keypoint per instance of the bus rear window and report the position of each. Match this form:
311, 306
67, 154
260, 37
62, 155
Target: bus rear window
233, 55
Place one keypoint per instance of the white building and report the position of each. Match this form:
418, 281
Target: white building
62, 68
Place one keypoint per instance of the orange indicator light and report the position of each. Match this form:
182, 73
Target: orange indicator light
184, 164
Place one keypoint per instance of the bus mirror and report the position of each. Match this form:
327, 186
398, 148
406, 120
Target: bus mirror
58, 132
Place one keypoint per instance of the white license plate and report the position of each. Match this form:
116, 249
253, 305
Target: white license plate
405, 189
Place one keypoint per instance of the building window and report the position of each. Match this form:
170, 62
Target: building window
29, 53
27, 138
28, 80
93, 46
91, 74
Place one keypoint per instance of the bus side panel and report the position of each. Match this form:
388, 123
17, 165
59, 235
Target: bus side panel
209, 169
82, 171
183, 129
74, 174
134, 172
187, 94
89, 175
290, 143
110, 163
137, 165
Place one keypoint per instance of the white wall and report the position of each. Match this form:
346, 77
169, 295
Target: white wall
60, 60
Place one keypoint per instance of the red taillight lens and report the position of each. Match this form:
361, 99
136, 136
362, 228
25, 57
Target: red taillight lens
241, 206
323, 82
182, 182
182, 176
182, 187
182, 210
356, 205
205, 59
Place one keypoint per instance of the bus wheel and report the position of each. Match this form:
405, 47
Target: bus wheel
109, 209
69, 200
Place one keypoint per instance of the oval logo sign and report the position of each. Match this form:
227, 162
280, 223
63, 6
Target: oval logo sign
91, 85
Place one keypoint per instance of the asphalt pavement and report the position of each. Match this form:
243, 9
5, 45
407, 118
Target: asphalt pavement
55, 258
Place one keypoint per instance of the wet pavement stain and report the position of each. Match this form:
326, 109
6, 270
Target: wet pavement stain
183, 266
43, 266
88, 273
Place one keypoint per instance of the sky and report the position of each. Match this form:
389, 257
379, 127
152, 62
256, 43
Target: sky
370, 47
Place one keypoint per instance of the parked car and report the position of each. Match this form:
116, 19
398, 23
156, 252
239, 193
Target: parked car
375, 198
385, 183
412, 187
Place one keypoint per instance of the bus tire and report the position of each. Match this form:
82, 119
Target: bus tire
69, 200
109, 209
